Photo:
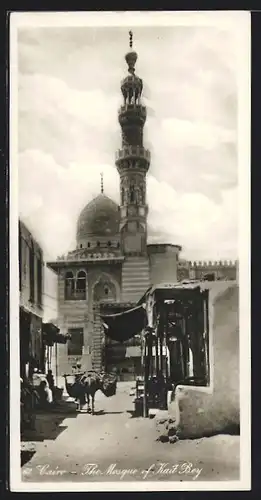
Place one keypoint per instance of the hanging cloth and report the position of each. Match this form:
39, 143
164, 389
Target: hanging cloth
124, 326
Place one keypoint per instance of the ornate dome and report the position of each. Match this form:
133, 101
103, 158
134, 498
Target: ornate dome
131, 59
100, 217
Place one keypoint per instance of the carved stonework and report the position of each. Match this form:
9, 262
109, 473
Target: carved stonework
133, 190
132, 162
104, 289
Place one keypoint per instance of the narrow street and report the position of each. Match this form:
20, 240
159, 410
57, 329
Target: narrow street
123, 448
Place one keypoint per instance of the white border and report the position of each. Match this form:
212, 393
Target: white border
239, 22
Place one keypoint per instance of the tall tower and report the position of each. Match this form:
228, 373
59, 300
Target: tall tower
132, 162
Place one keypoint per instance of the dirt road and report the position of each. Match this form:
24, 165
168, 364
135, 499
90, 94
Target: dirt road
114, 446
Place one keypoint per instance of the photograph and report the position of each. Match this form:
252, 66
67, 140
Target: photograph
130, 359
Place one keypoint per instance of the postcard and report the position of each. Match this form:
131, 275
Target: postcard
130, 251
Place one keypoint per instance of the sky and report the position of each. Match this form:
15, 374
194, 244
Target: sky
68, 131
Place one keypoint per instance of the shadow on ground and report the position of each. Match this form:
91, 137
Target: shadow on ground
47, 426
134, 414
26, 456
102, 412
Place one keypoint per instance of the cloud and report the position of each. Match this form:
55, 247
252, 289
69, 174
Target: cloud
69, 92
189, 219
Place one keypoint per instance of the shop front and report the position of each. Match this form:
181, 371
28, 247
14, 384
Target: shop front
25, 341
51, 338
31, 343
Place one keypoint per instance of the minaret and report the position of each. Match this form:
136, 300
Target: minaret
132, 162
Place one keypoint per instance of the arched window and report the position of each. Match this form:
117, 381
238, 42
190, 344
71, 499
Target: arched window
81, 286
98, 244
69, 286
109, 243
88, 244
142, 195
132, 193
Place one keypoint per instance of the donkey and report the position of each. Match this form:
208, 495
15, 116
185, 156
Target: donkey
85, 385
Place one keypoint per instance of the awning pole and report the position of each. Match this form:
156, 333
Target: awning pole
206, 334
145, 399
56, 364
161, 355
51, 355
157, 354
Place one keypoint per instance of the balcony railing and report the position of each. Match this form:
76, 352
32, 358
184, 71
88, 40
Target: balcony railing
75, 294
133, 151
132, 107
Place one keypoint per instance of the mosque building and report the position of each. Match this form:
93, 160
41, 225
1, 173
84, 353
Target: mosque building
112, 265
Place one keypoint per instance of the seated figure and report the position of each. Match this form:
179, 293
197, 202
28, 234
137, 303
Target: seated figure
45, 395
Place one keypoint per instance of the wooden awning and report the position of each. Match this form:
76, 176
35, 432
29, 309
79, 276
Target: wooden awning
125, 325
52, 335
186, 290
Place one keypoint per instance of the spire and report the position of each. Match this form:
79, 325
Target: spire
131, 36
102, 182
132, 56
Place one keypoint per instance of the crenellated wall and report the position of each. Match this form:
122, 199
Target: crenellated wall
212, 263
222, 269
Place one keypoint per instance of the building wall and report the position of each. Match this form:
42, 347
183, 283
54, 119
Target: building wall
28, 244
221, 269
94, 243
183, 271
79, 313
215, 409
163, 263
31, 291
50, 299
135, 278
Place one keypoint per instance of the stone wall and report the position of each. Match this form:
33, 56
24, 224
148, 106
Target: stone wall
163, 263
80, 314
223, 269
205, 411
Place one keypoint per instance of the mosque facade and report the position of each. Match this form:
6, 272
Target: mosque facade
112, 265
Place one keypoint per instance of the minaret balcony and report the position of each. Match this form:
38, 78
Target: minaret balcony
133, 152
133, 109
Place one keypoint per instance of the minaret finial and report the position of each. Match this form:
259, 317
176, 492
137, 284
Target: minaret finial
101, 182
131, 57
131, 36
